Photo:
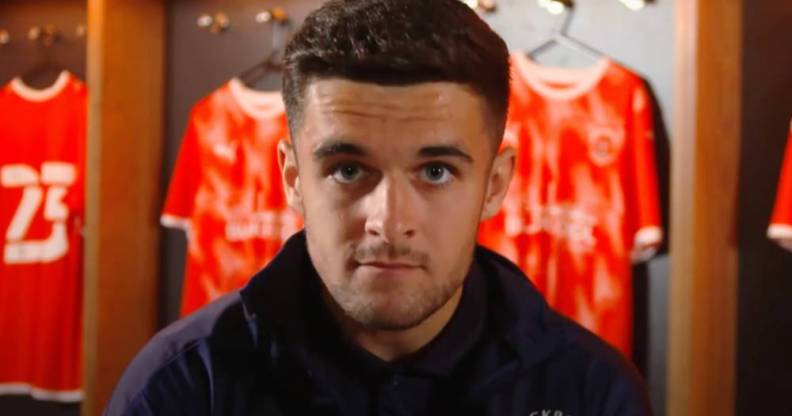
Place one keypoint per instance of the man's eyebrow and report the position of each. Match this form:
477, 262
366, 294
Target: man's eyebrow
337, 147
449, 150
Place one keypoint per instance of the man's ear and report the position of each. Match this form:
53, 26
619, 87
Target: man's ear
498, 182
290, 177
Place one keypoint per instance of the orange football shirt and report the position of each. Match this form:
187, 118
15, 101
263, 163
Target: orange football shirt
226, 191
583, 204
780, 229
42, 142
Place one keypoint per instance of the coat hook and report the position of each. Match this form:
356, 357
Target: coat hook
46, 35
556, 7
635, 5
482, 6
216, 23
5, 37
277, 15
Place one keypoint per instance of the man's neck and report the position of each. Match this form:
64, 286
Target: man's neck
392, 345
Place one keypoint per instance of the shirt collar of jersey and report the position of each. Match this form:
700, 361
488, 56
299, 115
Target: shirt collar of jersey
36, 95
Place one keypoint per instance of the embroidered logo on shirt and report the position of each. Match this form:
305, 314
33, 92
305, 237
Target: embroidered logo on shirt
224, 151
548, 412
605, 143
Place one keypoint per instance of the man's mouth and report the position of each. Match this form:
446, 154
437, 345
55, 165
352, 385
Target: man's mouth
389, 264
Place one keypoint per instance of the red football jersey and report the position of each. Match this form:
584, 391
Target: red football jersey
781, 224
226, 191
42, 137
583, 203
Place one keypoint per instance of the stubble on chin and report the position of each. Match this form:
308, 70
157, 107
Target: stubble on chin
390, 309
398, 307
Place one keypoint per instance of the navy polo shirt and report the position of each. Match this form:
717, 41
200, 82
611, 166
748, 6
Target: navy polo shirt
273, 349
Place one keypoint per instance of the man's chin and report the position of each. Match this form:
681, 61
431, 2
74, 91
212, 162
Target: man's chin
389, 323
390, 318
391, 309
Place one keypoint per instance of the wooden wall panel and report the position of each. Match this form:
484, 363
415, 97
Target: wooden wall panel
705, 161
125, 74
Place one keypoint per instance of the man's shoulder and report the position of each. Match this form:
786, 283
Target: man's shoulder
570, 341
584, 349
576, 363
216, 349
181, 354
611, 383
216, 321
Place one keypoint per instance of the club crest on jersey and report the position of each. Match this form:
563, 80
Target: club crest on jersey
225, 152
605, 144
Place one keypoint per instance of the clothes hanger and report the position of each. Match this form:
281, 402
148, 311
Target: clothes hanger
273, 63
269, 66
48, 68
560, 37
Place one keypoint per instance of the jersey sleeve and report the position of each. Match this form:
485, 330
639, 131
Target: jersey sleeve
644, 229
180, 200
780, 229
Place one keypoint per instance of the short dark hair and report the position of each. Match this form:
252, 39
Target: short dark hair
398, 42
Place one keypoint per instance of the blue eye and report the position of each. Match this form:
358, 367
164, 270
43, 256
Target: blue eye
348, 173
437, 174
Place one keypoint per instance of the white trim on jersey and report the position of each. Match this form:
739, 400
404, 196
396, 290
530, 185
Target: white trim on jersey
66, 396
540, 78
649, 236
256, 104
38, 95
645, 243
172, 221
781, 234
181, 223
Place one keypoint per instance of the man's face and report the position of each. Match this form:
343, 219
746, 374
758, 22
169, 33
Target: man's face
392, 182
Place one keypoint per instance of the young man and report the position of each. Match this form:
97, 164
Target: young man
384, 304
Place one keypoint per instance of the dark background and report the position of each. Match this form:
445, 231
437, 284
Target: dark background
22, 55
764, 360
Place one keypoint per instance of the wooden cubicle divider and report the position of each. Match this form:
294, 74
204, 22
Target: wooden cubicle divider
125, 139
704, 187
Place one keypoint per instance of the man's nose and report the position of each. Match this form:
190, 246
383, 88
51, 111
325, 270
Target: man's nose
391, 210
